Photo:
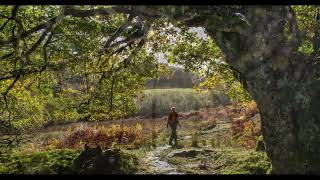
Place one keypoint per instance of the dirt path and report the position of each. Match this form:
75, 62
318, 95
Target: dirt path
158, 165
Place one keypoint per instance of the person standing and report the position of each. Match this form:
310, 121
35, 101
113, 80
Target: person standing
173, 122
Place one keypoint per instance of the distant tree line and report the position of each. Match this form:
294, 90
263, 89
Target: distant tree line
179, 79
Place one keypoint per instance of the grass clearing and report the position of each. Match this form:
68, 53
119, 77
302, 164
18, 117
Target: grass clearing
159, 101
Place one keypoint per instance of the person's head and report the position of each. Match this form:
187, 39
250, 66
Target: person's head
173, 109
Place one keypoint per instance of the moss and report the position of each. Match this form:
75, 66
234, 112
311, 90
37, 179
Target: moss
224, 161
96, 161
46, 162
165, 152
129, 163
245, 162
63, 162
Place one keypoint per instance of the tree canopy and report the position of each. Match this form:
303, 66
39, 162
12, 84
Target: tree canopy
90, 62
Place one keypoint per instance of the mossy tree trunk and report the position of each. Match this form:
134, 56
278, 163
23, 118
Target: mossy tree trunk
284, 84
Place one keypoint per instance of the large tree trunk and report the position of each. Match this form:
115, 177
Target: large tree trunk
281, 81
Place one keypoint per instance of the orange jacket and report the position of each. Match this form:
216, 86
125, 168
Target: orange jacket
173, 118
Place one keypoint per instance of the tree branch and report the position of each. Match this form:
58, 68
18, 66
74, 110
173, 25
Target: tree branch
117, 33
27, 33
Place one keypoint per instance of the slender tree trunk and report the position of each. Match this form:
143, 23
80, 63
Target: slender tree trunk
283, 84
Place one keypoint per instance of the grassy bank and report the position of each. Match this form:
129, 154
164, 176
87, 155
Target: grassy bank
159, 101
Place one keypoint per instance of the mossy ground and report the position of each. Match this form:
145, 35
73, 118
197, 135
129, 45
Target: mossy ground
57, 162
45, 162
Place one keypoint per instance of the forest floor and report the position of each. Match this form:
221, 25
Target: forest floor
205, 144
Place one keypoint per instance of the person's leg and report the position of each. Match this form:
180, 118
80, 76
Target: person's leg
171, 137
174, 134
170, 140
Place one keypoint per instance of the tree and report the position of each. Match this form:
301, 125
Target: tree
279, 70
283, 82
265, 47
57, 67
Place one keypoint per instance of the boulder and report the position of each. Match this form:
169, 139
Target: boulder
97, 161
188, 153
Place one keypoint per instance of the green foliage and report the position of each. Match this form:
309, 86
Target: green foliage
223, 80
246, 163
72, 82
129, 162
308, 25
46, 162
305, 47
57, 162
23, 110
202, 56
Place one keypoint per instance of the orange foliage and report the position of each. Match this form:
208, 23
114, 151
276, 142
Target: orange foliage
93, 136
245, 127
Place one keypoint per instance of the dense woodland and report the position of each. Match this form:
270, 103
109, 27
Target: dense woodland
256, 68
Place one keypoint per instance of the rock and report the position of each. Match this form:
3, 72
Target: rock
190, 153
209, 127
158, 165
96, 161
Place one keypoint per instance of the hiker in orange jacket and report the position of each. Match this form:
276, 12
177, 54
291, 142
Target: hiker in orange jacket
173, 122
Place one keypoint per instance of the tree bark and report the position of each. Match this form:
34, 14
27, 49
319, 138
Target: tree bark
283, 84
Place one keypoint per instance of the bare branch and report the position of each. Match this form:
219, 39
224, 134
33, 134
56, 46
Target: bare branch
117, 33
27, 33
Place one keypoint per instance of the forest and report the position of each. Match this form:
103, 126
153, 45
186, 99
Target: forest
102, 89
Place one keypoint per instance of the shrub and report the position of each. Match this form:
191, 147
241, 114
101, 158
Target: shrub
247, 128
45, 162
94, 136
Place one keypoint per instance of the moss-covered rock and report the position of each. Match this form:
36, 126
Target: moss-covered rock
96, 161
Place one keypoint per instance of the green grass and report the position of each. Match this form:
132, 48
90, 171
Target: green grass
184, 99
225, 161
